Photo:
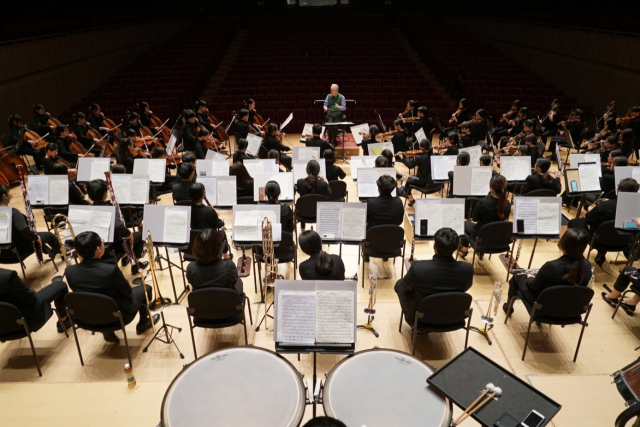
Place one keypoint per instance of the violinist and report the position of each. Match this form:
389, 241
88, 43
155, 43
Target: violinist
161, 153
96, 118
41, 118
596, 144
203, 115
542, 178
505, 121
410, 111
204, 137
189, 135
316, 141
531, 141
609, 113
550, 121
81, 128
527, 129
464, 135
608, 178
242, 125
517, 125
369, 139
399, 139
76, 196
272, 142
461, 115
451, 142
241, 153
15, 125
127, 152
632, 121
628, 139
423, 163
480, 126
334, 172
574, 126
424, 122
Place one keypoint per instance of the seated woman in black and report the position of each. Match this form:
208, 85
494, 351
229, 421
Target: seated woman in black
461, 116
204, 216
373, 131
41, 118
504, 125
479, 130
210, 270
494, 208
272, 191
125, 154
320, 265
241, 153
82, 129
271, 142
541, 178
452, 142
23, 146
531, 142
275, 155
423, 163
244, 182
313, 184
96, 119
570, 269
334, 173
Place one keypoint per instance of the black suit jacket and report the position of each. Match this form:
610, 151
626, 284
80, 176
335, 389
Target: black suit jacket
605, 211
316, 141
422, 162
181, 191
607, 182
321, 188
384, 209
486, 212
219, 273
13, 291
551, 274
334, 172
241, 156
96, 276
534, 182
286, 218
308, 269
203, 217
399, 141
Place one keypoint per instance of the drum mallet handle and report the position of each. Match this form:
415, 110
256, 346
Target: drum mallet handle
489, 387
496, 392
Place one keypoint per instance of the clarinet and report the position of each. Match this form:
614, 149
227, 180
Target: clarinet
31, 221
126, 243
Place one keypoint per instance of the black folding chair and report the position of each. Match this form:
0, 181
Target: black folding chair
608, 239
444, 312
557, 305
339, 191
384, 241
215, 308
96, 313
430, 188
541, 192
494, 238
246, 200
306, 209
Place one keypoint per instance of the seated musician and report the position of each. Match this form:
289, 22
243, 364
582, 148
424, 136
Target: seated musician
244, 181
34, 306
460, 116
541, 178
96, 119
334, 172
594, 141
63, 142
320, 265
203, 115
373, 131
399, 139
271, 142
385, 209
633, 122
505, 121
275, 155
272, 191
550, 122
463, 159
167, 185
23, 147
132, 121
608, 180
452, 142
187, 173
531, 141
517, 126
204, 216
628, 275
81, 128
243, 126
410, 111
609, 112
381, 162
573, 126
487, 160
251, 106
241, 153
517, 139
423, 163
76, 196
97, 191
571, 269
627, 139
424, 122
204, 137
611, 143
313, 184
118, 169
124, 154
464, 135
190, 158
440, 274
50, 154
145, 113
210, 269
481, 127
190, 136
22, 237
41, 119
495, 207
99, 277
316, 141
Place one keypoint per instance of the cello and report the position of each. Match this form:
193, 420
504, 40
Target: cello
164, 131
217, 125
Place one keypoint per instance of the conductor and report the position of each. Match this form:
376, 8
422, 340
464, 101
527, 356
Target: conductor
335, 106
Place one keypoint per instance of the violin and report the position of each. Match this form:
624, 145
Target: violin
279, 135
454, 116
412, 153
139, 152
441, 147
173, 159
411, 119
407, 111
386, 134
504, 118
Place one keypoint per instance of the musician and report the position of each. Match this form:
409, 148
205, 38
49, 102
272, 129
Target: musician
272, 191
210, 270
385, 209
63, 142
272, 142
316, 141
460, 116
132, 121
76, 197
35, 307
464, 135
373, 131
499, 132
244, 181
169, 180
202, 114
145, 113
610, 112
452, 141
596, 143
608, 180
410, 111
243, 126
573, 126
487, 160
424, 122
571, 269
22, 147
96, 119
516, 139
251, 106
22, 237
189, 134
625, 277
334, 173
463, 159
611, 144
202, 216
550, 122
118, 169
494, 208
125, 156
275, 155
423, 163
440, 274
49, 158
81, 129
313, 184
41, 118
97, 191
628, 139
517, 126
634, 124
399, 139
187, 173
481, 126
320, 265
531, 141
99, 277
541, 178
334, 105
204, 137
241, 153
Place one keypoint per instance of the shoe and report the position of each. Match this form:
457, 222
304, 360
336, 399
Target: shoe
628, 308
366, 258
66, 323
505, 306
141, 327
385, 259
141, 266
613, 302
110, 337
463, 254
412, 202
125, 261
302, 226
600, 259
480, 256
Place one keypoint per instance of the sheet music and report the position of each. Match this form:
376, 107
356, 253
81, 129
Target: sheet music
547, 222
122, 187
560, 162
361, 162
297, 317
245, 219
475, 152
432, 212
635, 174
334, 317
480, 178
308, 130
246, 234
5, 223
527, 210
139, 191
329, 222
155, 168
175, 226
254, 142
442, 165
98, 168
220, 168
171, 144
354, 222
261, 215
355, 131
253, 167
209, 187
589, 179
226, 192
214, 155
285, 181
593, 158
90, 220
59, 191
38, 189
270, 167
377, 148
307, 153
515, 168
367, 186
420, 135
453, 217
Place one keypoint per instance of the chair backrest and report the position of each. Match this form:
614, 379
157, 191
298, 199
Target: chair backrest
338, 190
384, 238
182, 202
306, 206
215, 303
90, 308
9, 315
6, 139
246, 200
496, 234
445, 308
564, 301
606, 234
432, 185
542, 192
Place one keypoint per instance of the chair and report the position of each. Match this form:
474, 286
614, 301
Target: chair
339, 191
558, 305
246, 200
96, 313
13, 326
285, 252
608, 239
11, 255
443, 312
494, 238
541, 192
384, 241
215, 308
430, 188
305, 209
187, 254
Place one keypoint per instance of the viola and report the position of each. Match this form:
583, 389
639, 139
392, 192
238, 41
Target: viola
138, 152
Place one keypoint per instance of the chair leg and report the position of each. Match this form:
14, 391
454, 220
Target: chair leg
193, 340
404, 247
473, 261
255, 284
75, 335
33, 351
510, 306
244, 325
584, 325
126, 341
415, 335
401, 317
526, 341
620, 299
363, 269
60, 322
466, 340
249, 308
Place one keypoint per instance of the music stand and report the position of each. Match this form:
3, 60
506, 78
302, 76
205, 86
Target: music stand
347, 101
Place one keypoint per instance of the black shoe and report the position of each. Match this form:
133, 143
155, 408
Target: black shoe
125, 261
141, 266
480, 256
385, 259
628, 308
66, 323
600, 259
412, 202
110, 337
505, 306
366, 258
613, 302
463, 254
142, 327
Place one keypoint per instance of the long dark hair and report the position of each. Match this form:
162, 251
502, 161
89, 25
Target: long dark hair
311, 244
313, 169
272, 191
499, 185
123, 150
243, 179
16, 118
544, 165
208, 246
573, 242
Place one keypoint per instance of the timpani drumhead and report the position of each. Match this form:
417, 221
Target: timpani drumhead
237, 386
381, 388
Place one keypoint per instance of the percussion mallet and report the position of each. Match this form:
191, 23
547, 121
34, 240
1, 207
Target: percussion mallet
489, 387
496, 392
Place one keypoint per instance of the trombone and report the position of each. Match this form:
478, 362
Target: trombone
159, 303
270, 269
64, 232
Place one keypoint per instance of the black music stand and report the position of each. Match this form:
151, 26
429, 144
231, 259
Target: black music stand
347, 101
464, 378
